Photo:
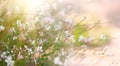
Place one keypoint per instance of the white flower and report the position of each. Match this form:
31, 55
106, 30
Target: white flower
15, 37
71, 38
25, 46
81, 38
47, 27
30, 51
2, 28
3, 55
41, 33
19, 57
56, 39
57, 27
57, 61
33, 42
18, 22
9, 61
60, 0
39, 48
67, 33
36, 19
103, 37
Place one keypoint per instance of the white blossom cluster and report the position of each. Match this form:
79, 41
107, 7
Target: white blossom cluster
37, 38
8, 59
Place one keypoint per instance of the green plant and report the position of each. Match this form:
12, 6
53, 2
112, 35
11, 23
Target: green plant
38, 39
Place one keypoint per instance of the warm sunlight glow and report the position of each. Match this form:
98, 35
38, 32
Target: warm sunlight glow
33, 4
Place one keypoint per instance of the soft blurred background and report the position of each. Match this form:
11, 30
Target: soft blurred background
108, 12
